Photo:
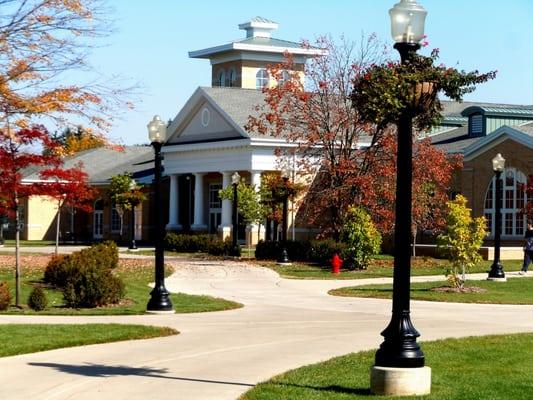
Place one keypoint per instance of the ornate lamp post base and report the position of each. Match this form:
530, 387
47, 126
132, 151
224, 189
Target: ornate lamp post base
496, 273
159, 302
283, 258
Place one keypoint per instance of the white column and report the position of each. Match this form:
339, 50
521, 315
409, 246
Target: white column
173, 204
225, 219
254, 232
199, 221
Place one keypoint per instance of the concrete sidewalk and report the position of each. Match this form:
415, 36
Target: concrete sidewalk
284, 324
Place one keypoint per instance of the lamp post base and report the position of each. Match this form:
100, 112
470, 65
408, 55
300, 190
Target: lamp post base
283, 258
391, 381
159, 302
504, 279
496, 273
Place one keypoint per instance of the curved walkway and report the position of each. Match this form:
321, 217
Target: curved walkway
284, 324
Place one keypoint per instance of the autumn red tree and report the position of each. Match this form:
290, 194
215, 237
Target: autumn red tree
70, 188
432, 175
317, 115
42, 42
20, 152
528, 189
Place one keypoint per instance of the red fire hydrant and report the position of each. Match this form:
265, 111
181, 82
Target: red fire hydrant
336, 264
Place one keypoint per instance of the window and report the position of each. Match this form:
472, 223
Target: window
116, 220
222, 78
261, 79
232, 77
513, 200
284, 77
214, 198
476, 125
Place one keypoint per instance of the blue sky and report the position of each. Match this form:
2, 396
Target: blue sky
152, 40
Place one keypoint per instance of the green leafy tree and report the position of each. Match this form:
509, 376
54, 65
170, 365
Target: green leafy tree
252, 210
361, 236
125, 193
462, 239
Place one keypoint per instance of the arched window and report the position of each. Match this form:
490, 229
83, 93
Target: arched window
513, 200
232, 77
99, 204
116, 219
222, 78
261, 79
284, 77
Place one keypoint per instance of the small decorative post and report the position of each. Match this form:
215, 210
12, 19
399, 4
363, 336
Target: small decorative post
283, 258
496, 270
159, 297
133, 245
235, 249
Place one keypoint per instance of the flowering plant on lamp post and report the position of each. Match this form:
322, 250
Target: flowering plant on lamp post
382, 92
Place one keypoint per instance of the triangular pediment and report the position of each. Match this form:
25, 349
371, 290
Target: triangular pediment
201, 120
505, 133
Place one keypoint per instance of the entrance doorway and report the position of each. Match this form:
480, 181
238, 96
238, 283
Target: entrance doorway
98, 219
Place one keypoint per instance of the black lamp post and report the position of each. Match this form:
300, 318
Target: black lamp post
133, 245
284, 255
159, 296
496, 270
235, 249
399, 348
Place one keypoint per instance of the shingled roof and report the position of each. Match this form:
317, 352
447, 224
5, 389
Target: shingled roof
102, 163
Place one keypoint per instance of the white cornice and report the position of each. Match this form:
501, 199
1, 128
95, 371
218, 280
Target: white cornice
206, 53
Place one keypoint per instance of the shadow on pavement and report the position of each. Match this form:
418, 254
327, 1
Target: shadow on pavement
105, 371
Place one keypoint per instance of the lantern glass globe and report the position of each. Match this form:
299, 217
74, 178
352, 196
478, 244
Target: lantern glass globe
498, 163
157, 130
407, 21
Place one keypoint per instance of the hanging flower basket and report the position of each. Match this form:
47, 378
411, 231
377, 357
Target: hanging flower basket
423, 96
382, 92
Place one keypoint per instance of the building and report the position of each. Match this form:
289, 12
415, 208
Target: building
207, 142
479, 131
39, 214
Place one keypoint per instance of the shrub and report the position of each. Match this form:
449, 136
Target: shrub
86, 276
461, 242
56, 270
322, 251
91, 287
361, 237
60, 268
5, 296
37, 300
203, 243
319, 251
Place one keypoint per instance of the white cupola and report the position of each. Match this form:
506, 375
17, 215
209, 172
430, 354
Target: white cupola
258, 27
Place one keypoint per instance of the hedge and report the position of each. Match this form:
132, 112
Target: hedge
318, 251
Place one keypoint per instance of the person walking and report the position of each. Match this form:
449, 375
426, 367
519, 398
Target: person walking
528, 248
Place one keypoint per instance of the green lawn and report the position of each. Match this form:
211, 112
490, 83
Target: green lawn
136, 274
514, 291
490, 367
21, 339
380, 267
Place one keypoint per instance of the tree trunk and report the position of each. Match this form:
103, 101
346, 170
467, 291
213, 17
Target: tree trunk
18, 293
57, 226
414, 243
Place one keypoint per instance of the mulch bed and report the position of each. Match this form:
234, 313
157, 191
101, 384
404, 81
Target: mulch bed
466, 289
